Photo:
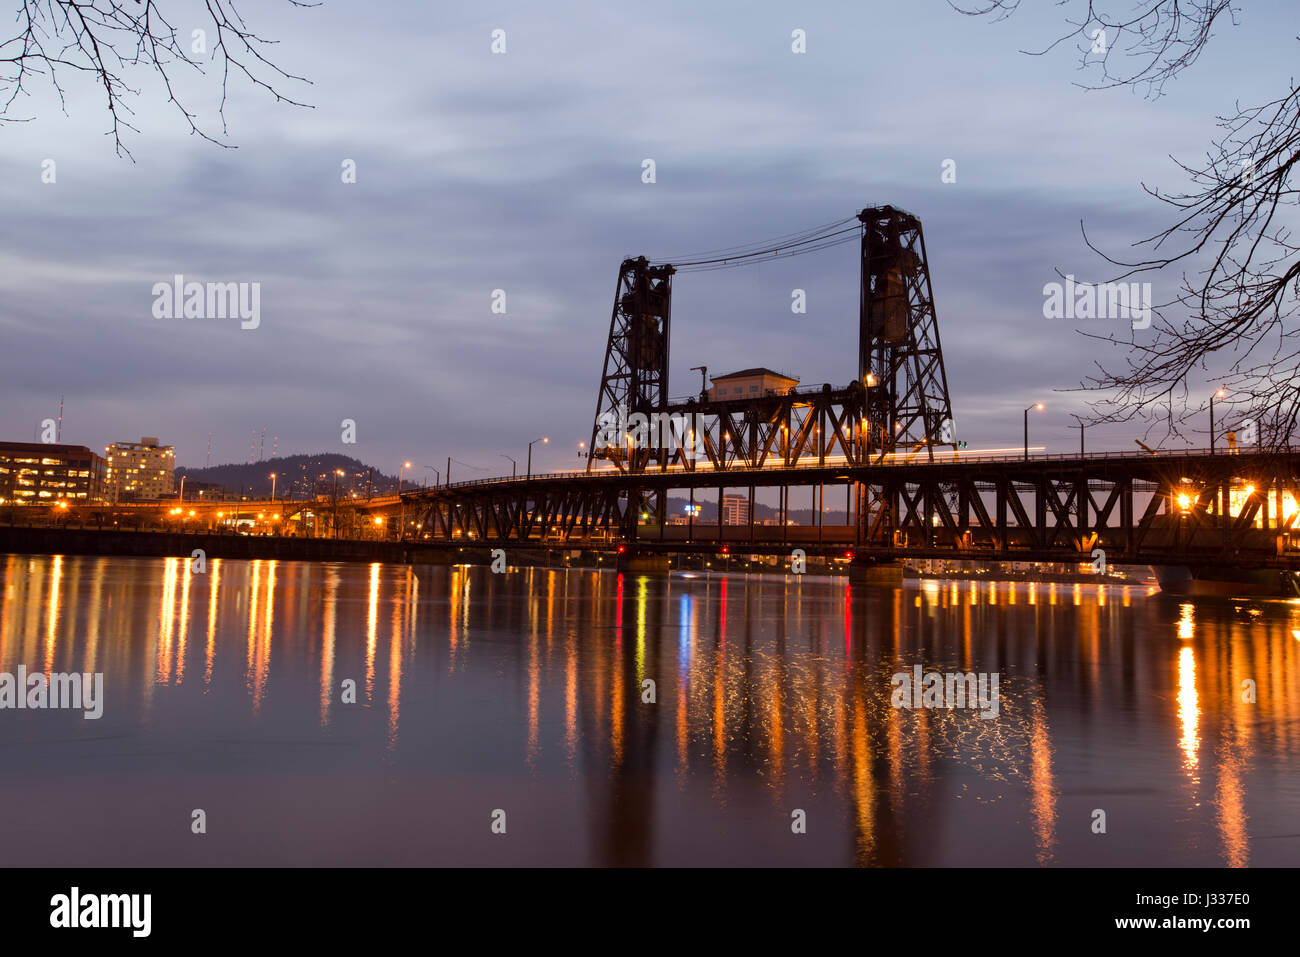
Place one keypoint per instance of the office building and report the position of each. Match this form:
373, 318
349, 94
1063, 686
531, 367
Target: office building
38, 473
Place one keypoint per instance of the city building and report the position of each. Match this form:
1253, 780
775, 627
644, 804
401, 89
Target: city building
750, 384
37, 473
735, 510
140, 470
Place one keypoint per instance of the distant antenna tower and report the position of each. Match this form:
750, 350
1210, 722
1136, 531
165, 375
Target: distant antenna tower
208, 463
261, 446
275, 445
58, 432
252, 447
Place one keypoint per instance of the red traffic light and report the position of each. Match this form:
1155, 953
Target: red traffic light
725, 549
848, 555
620, 549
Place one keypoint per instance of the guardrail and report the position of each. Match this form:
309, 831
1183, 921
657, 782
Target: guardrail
895, 460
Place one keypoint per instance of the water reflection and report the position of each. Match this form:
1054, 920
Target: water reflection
684, 719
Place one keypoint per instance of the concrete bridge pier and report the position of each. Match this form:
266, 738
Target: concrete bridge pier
633, 561
425, 555
872, 571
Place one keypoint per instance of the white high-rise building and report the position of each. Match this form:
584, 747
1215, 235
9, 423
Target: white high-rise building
140, 470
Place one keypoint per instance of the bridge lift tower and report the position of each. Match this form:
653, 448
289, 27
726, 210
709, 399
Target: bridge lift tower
901, 389
900, 362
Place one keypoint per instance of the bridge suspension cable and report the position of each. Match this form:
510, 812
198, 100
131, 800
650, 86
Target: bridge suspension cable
782, 247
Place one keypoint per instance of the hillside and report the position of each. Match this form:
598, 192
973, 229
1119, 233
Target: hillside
297, 476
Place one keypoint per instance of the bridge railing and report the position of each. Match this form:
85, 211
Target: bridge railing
895, 460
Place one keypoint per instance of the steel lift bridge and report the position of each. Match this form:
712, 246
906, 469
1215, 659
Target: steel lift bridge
887, 439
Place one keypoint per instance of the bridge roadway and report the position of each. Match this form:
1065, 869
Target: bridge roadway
1183, 507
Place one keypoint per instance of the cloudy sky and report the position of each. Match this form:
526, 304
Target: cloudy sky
522, 172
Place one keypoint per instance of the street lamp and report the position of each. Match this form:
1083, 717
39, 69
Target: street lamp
514, 466
1039, 407
1081, 426
544, 440
1220, 394
337, 473
401, 506
273, 475
581, 446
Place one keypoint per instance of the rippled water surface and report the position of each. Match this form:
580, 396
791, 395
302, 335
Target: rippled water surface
523, 699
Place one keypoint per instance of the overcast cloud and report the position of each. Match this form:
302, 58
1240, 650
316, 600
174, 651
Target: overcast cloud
523, 172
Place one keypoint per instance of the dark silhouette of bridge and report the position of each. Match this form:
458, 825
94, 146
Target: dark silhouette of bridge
885, 444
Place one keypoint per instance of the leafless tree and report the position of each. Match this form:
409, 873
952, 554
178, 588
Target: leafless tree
1229, 236
106, 39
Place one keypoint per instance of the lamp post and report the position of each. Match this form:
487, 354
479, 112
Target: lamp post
582, 446
869, 381
273, 475
401, 506
514, 466
337, 473
544, 440
181, 497
1039, 407
1081, 426
1219, 393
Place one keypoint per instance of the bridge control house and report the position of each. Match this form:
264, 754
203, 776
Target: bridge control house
36, 473
750, 384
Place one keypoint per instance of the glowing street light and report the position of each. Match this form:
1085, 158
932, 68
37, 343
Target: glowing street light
544, 440
1039, 407
1219, 394
337, 473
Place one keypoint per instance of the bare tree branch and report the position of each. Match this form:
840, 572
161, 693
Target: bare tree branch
1153, 42
1230, 239
103, 39
1239, 288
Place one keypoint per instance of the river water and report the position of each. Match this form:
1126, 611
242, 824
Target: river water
577, 717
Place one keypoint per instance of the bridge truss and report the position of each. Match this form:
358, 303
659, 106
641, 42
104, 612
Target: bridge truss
1188, 509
